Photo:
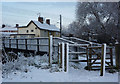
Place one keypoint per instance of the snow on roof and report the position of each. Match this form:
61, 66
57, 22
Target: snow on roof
8, 28
46, 26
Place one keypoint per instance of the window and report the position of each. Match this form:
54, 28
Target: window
32, 30
50, 33
57, 33
27, 31
35, 27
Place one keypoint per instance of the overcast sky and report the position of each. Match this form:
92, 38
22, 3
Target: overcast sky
22, 12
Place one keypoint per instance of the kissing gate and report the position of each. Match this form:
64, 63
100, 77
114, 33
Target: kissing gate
96, 54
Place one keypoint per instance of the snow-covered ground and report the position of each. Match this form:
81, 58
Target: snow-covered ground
35, 69
74, 75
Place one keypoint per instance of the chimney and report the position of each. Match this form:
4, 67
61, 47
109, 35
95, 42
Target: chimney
17, 25
48, 21
3, 25
40, 19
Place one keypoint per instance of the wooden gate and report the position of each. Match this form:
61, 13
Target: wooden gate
100, 56
95, 54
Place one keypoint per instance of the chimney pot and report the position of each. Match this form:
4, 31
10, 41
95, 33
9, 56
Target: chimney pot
17, 25
3, 25
48, 21
40, 19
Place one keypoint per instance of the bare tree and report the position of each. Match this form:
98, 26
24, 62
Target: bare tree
98, 17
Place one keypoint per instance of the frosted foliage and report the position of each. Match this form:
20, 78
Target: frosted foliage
22, 64
100, 18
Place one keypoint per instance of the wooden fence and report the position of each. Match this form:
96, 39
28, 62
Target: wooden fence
35, 44
64, 55
63, 49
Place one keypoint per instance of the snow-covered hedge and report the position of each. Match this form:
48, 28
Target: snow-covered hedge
22, 63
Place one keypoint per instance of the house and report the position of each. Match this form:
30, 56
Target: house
6, 31
39, 29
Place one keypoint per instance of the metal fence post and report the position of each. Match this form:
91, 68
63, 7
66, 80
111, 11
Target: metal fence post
103, 56
50, 49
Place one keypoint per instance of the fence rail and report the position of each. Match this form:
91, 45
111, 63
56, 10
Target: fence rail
36, 44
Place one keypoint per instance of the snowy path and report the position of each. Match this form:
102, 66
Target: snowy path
74, 75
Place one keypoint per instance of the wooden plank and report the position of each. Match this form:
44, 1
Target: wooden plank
77, 60
78, 45
97, 58
111, 56
77, 53
100, 66
61, 56
90, 57
96, 63
17, 43
9, 43
3, 42
87, 54
93, 62
59, 53
26, 44
95, 47
38, 45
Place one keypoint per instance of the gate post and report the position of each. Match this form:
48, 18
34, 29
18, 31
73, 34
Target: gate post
89, 56
117, 55
103, 56
66, 57
50, 49
63, 57
58, 53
